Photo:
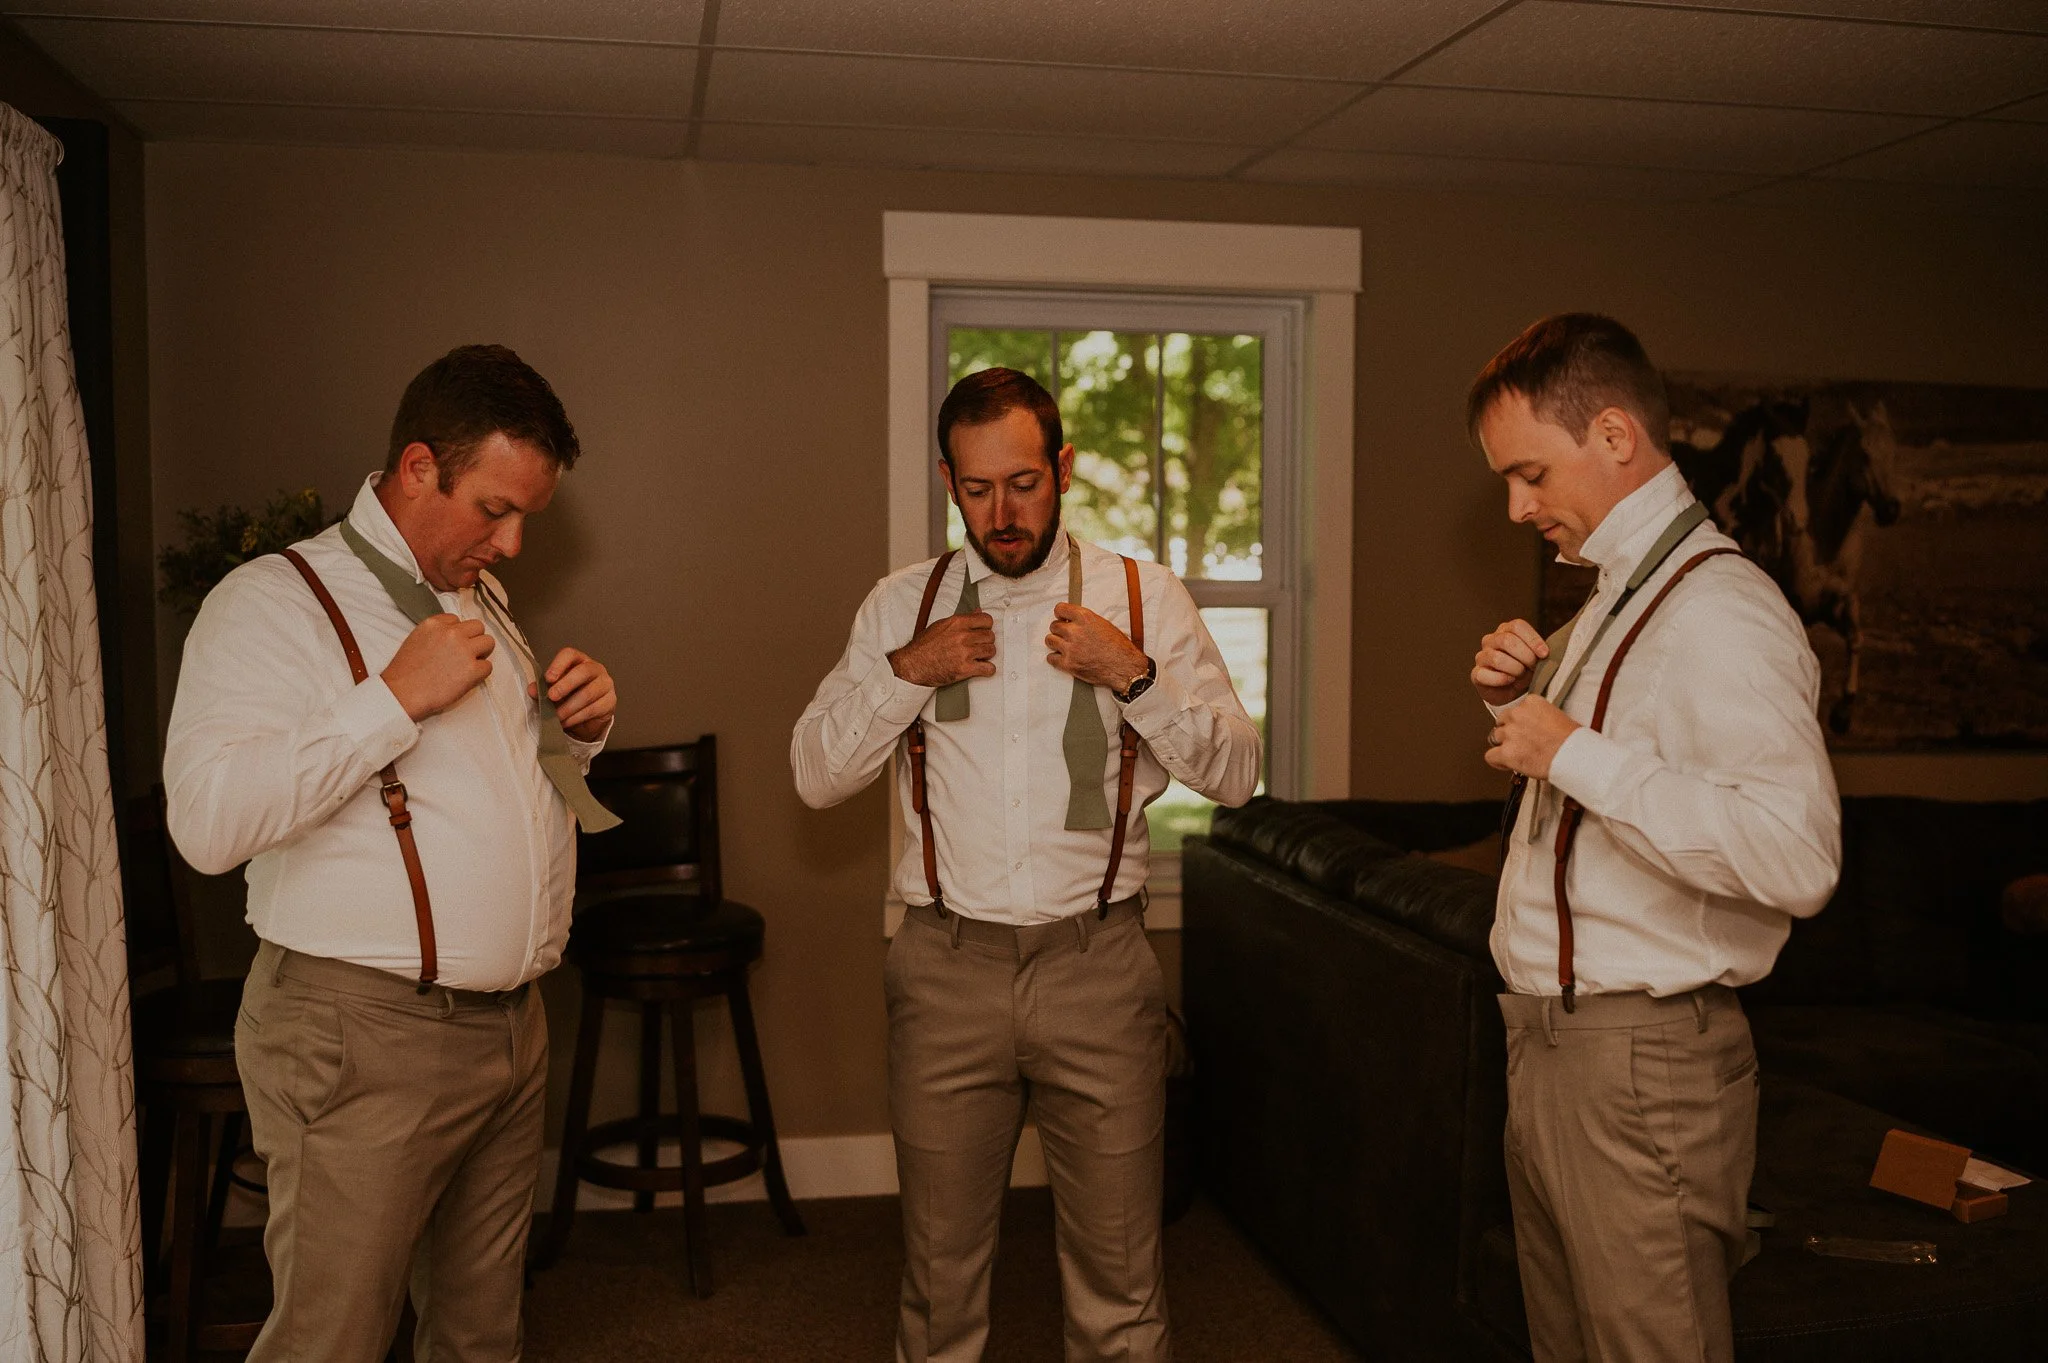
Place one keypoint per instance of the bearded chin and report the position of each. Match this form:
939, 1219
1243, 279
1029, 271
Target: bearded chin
1040, 551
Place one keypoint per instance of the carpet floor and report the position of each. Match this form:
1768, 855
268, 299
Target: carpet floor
618, 1293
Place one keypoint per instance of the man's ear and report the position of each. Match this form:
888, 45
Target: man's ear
1614, 434
1065, 463
418, 471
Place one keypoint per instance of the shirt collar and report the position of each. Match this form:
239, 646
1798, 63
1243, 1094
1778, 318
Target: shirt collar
375, 525
1629, 530
1055, 565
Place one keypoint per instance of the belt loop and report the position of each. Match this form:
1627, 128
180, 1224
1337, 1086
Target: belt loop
277, 974
1549, 1021
954, 919
447, 1003
1699, 1008
1081, 929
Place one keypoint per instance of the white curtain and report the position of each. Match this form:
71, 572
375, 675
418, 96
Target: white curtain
70, 1275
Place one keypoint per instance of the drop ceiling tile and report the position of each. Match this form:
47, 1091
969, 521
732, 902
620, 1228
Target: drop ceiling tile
1997, 155
933, 149
1609, 131
405, 127
758, 87
1740, 58
631, 20
1341, 38
2029, 16
296, 66
1305, 165
2029, 110
1857, 197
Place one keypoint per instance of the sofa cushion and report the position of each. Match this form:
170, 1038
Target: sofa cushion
1915, 918
1304, 840
1956, 1075
1449, 905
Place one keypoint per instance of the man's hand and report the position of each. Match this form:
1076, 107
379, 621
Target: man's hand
440, 662
1528, 736
582, 690
1083, 644
949, 650
1506, 657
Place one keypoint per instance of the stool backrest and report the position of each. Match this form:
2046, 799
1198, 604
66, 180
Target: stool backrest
156, 898
668, 799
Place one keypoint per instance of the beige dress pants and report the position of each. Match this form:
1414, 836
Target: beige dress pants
1066, 1022
1631, 1139
401, 1135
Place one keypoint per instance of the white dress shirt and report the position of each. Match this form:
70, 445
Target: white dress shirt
997, 780
1711, 814
273, 755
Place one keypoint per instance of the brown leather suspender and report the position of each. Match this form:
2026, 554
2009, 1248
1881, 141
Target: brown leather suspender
1127, 768
393, 790
1127, 761
919, 799
1574, 812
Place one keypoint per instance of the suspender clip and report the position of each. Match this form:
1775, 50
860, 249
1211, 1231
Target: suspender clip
1569, 1006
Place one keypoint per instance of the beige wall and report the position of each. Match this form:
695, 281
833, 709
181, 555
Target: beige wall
718, 334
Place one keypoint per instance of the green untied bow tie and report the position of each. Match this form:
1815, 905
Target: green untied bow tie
1084, 741
417, 600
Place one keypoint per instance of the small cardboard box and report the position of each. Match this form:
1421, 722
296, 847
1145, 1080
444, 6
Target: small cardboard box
1977, 1204
1918, 1167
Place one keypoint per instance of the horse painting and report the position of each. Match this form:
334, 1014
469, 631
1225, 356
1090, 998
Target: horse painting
1907, 525
1798, 491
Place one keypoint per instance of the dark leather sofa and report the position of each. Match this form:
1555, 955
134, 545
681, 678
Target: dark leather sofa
1350, 1077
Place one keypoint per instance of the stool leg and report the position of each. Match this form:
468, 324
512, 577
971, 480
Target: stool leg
574, 1123
158, 1126
650, 1096
223, 1177
189, 1171
758, 1112
697, 1247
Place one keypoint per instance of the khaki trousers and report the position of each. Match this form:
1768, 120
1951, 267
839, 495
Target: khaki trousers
1065, 1021
401, 1134
1631, 1139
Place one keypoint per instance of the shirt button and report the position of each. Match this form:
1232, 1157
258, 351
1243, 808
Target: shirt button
1016, 865
1015, 803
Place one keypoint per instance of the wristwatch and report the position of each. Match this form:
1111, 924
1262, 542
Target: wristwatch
1140, 685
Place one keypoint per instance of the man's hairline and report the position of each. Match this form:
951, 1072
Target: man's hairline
1553, 418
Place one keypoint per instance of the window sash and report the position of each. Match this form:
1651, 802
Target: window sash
1280, 324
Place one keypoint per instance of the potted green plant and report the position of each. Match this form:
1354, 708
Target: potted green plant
219, 541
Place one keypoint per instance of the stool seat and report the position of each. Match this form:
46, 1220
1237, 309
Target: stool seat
187, 1035
665, 924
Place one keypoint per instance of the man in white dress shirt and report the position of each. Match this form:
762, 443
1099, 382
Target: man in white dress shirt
1021, 980
1696, 815
400, 1121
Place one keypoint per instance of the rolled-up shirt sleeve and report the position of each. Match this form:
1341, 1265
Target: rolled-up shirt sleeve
1740, 798
260, 746
861, 708
1191, 717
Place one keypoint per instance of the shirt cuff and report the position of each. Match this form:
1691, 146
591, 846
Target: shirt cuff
1498, 710
583, 752
1164, 699
893, 700
1590, 767
375, 722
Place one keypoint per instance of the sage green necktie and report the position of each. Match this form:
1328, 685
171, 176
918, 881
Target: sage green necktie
418, 601
1084, 741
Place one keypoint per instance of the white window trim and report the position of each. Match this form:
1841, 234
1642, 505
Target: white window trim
1320, 265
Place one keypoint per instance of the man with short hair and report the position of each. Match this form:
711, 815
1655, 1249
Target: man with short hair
1021, 980
1673, 811
360, 720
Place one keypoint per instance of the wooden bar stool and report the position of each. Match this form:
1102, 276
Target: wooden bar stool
188, 1092
662, 936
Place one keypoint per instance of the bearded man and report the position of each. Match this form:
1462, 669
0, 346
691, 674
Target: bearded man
1021, 981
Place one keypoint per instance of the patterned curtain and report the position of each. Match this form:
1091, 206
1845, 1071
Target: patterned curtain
70, 1268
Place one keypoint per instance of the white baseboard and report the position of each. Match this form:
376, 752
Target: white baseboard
816, 1166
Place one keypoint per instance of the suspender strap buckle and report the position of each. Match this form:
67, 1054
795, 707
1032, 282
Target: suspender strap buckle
393, 791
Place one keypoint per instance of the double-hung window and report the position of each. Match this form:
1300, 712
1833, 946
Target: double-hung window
1183, 412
